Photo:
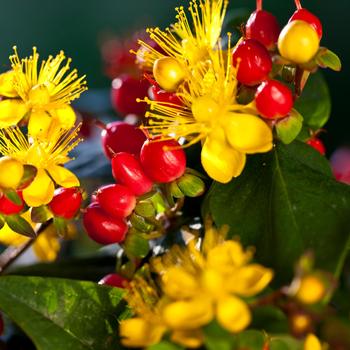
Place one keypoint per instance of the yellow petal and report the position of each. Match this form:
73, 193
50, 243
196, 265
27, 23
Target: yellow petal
47, 245
11, 112
137, 333
249, 280
312, 343
63, 176
40, 191
64, 117
228, 256
248, 133
178, 284
233, 314
220, 161
189, 314
7, 84
11, 172
39, 124
189, 339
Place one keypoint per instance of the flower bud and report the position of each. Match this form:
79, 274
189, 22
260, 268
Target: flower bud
11, 172
311, 289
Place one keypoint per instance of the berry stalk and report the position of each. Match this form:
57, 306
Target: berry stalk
259, 5
298, 4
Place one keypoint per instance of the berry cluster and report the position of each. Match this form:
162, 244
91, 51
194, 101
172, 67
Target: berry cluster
149, 175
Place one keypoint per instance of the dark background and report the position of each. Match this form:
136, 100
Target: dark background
78, 27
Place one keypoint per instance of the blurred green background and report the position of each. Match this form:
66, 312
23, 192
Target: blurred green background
79, 26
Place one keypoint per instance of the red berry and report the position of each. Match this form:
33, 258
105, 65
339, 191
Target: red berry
125, 90
101, 227
163, 161
127, 170
116, 200
263, 27
161, 95
122, 137
253, 61
114, 280
7, 207
318, 145
66, 202
307, 16
273, 99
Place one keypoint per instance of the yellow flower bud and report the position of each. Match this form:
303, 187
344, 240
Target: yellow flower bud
168, 73
136, 332
300, 323
312, 343
11, 172
188, 315
311, 289
205, 109
189, 339
233, 314
298, 42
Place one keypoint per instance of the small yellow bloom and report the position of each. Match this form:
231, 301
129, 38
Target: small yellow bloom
189, 339
48, 156
210, 113
311, 289
40, 92
312, 343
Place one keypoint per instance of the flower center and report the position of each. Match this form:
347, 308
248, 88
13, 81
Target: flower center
39, 95
205, 109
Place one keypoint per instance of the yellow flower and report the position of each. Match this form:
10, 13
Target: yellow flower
47, 156
40, 93
185, 44
46, 246
312, 343
211, 114
198, 283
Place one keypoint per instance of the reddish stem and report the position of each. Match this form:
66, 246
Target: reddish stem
99, 124
298, 4
259, 5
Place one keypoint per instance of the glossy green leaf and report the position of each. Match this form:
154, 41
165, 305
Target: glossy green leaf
289, 128
13, 196
40, 214
60, 314
315, 102
20, 225
328, 59
136, 245
285, 203
29, 174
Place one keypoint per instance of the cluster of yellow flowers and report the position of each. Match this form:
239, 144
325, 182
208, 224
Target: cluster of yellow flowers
192, 63
206, 280
37, 96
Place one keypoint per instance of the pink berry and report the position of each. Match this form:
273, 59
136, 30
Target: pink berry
318, 145
126, 89
7, 207
263, 27
101, 227
253, 61
114, 280
127, 170
163, 161
306, 16
116, 200
340, 161
273, 99
122, 137
66, 202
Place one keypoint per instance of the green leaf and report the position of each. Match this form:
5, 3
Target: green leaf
285, 203
217, 338
285, 343
165, 345
315, 102
289, 128
40, 214
60, 314
136, 245
29, 174
270, 318
13, 196
191, 185
251, 340
328, 59
20, 225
